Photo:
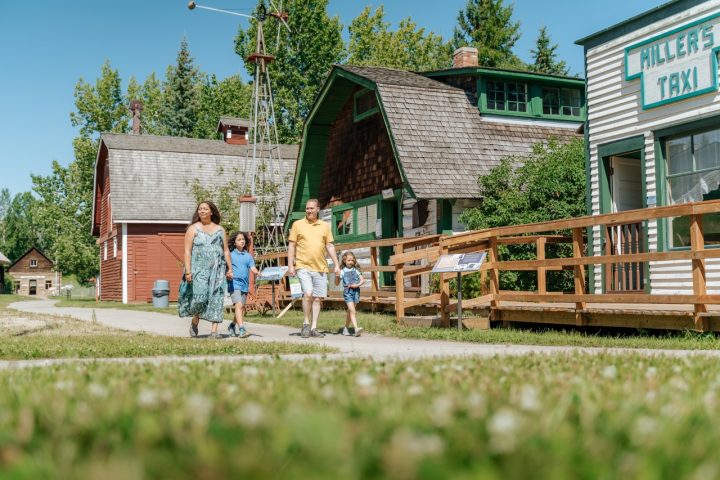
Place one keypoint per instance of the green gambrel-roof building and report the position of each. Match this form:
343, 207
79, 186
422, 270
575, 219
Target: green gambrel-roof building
393, 153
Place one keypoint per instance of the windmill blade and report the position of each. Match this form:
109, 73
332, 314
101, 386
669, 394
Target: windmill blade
279, 14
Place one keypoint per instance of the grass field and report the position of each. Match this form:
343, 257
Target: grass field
332, 320
554, 417
31, 336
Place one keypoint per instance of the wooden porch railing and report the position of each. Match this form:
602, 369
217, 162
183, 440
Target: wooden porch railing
622, 260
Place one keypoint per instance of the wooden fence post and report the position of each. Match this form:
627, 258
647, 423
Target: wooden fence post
374, 276
697, 244
579, 270
494, 273
399, 286
541, 271
444, 292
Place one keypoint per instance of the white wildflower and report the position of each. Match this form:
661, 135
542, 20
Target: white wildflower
250, 371
198, 403
609, 372
503, 428
651, 372
364, 380
328, 392
147, 398
529, 398
98, 391
64, 386
442, 410
251, 415
414, 390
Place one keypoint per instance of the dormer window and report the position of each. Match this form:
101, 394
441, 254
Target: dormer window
365, 104
33, 263
507, 96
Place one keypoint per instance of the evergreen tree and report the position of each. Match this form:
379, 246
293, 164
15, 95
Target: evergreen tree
544, 56
180, 95
488, 26
302, 60
409, 48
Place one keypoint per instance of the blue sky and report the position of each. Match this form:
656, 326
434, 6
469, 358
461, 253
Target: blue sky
47, 45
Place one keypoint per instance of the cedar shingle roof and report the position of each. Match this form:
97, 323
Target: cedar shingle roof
233, 122
443, 142
150, 176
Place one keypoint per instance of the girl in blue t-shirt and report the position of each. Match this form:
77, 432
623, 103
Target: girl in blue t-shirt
242, 264
351, 281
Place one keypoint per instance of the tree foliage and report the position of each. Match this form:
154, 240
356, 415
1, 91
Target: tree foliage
303, 59
181, 93
488, 26
549, 184
19, 229
372, 43
544, 56
229, 96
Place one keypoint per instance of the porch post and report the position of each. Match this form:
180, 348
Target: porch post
399, 286
697, 244
578, 247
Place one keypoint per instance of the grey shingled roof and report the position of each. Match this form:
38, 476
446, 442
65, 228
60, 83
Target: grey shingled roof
442, 141
233, 122
150, 176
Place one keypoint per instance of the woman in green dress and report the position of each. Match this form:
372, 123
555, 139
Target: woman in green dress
207, 266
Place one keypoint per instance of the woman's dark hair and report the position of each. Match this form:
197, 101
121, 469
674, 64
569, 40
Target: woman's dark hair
233, 237
214, 212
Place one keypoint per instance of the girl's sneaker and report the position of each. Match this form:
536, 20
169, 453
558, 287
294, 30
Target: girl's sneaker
358, 331
242, 333
348, 332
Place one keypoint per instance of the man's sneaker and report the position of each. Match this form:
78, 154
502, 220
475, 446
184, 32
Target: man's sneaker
305, 332
358, 331
315, 333
242, 333
232, 329
193, 329
348, 332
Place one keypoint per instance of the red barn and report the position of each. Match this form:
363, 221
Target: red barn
143, 202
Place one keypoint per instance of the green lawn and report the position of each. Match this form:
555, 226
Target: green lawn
32, 336
332, 320
541, 417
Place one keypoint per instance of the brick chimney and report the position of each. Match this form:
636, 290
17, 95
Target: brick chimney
465, 57
136, 108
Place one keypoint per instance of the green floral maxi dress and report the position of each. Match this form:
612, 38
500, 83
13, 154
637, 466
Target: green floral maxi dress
204, 296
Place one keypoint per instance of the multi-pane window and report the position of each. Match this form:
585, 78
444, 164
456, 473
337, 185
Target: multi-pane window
33, 263
356, 220
517, 97
48, 284
561, 101
506, 96
693, 175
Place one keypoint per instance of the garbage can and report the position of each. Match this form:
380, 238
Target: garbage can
161, 293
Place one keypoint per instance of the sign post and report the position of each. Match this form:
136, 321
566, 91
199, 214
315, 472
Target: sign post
459, 263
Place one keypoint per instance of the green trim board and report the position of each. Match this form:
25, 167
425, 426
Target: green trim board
358, 116
637, 22
508, 74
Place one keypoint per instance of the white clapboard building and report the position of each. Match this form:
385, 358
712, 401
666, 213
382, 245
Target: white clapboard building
653, 135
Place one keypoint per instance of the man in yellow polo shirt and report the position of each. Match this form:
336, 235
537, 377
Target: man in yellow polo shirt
310, 241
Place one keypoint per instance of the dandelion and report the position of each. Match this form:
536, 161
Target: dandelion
64, 386
198, 402
644, 430
651, 372
679, 384
327, 392
415, 390
250, 371
442, 410
406, 448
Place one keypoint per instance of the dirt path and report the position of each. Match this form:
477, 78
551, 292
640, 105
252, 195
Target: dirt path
369, 345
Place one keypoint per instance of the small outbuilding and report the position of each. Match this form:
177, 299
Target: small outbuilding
34, 275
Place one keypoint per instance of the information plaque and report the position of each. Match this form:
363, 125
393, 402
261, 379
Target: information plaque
459, 262
272, 274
